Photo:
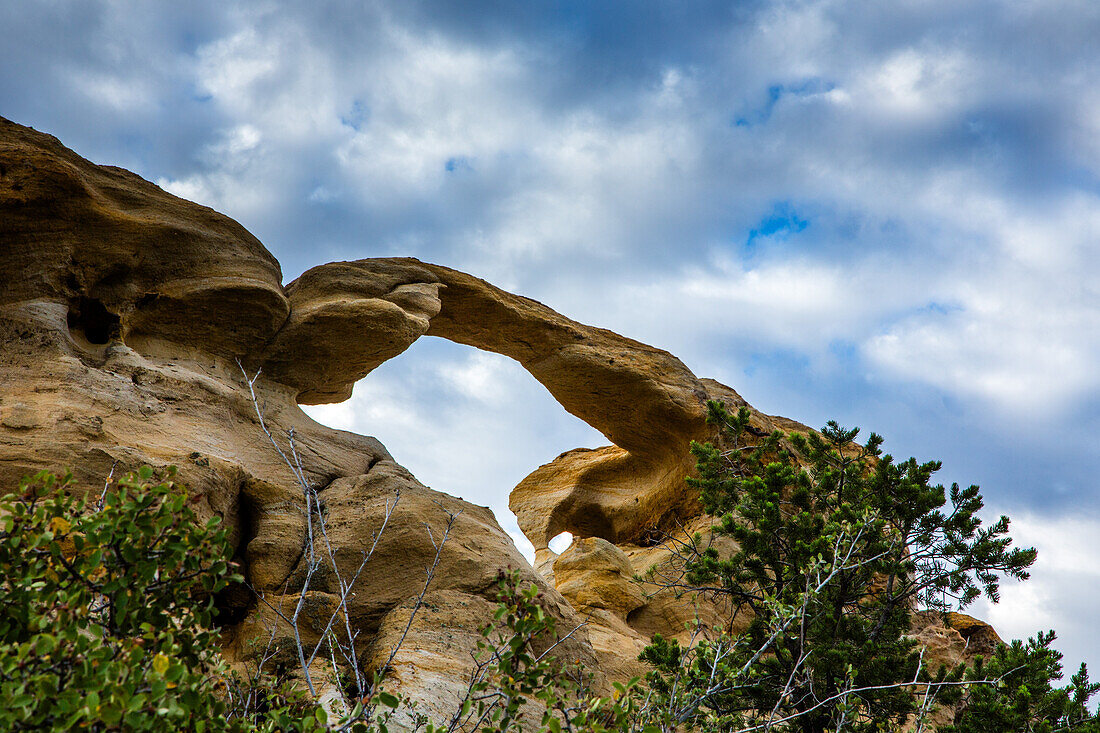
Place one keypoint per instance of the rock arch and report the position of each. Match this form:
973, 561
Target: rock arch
346, 318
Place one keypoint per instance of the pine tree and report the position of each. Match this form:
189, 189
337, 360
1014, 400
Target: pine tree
1024, 699
837, 543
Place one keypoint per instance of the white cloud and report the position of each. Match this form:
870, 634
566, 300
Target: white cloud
192, 188
229, 156
914, 86
480, 377
231, 68
430, 101
235, 146
1063, 590
1026, 334
115, 90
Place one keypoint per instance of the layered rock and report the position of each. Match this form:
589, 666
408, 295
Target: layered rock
129, 319
131, 322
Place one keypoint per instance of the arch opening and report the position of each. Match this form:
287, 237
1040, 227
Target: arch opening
561, 542
467, 422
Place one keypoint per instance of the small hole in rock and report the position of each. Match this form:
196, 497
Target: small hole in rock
89, 317
561, 543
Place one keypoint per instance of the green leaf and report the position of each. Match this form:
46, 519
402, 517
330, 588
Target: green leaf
46, 643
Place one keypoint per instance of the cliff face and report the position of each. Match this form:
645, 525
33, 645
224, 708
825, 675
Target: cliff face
129, 319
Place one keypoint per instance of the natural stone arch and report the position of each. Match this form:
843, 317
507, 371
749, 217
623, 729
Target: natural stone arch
349, 317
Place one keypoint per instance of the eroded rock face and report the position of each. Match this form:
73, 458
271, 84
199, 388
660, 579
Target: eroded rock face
126, 255
347, 318
625, 496
131, 320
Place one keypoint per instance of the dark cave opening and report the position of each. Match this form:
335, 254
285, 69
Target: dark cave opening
91, 318
233, 604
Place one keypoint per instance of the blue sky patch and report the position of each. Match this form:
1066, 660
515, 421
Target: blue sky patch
356, 116
782, 222
776, 92
457, 163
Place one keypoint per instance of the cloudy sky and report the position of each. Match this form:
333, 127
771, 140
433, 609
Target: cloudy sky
884, 213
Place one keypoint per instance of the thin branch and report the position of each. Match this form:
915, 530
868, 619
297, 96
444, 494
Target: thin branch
430, 571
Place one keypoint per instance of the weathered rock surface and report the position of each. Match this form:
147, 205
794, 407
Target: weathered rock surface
958, 639
129, 319
347, 318
123, 314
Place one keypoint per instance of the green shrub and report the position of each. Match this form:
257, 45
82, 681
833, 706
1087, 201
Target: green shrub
107, 615
1024, 698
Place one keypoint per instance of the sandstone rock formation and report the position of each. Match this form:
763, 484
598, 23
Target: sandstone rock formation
129, 319
123, 314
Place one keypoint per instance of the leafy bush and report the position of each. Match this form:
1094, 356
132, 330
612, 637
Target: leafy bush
107, 615
107, 622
